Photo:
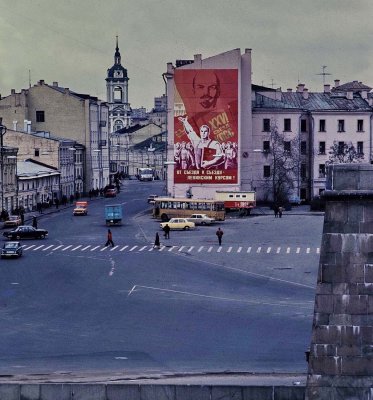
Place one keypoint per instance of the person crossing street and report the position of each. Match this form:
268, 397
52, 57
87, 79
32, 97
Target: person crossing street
219, 234
109, 239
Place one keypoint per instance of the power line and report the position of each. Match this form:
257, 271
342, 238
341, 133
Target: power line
323, 73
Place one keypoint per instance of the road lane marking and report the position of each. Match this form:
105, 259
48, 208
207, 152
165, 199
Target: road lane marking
278, 250
142, 248
248, 250
239, 250
200, 249
123, 248
269, 250
94, 248
85, 248
210, 248
29, 247
308, 250
114, 248
258, 249
37, 248
58, 247
67, 247
162, 248
76, 248
181, 248
317, 250
48, 247
229, 249
298, 250
190, 249
133, 248
171, 248
219, 249
288, 250
104, 248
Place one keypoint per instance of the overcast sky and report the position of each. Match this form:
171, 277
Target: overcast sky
73, 41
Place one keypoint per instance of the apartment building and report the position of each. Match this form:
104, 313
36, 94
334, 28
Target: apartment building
322, 123
70, 115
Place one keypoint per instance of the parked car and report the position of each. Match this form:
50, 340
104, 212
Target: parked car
14, 220
26, 232
201, 219
11, 249
295, 200
178, 223
151, 198
110, 192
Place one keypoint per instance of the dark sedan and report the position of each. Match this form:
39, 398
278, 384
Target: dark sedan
11, 249
26, 232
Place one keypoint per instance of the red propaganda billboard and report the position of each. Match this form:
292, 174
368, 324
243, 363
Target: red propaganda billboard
206, 126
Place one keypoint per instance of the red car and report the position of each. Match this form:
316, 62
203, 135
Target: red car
110, 192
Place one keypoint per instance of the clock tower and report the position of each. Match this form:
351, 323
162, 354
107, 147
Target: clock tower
117, 94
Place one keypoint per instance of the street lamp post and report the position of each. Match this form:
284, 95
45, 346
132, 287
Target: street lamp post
3, 130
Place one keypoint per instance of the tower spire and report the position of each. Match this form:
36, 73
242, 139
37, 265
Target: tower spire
117, 58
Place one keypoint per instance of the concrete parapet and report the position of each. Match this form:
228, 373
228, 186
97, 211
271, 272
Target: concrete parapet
341, 351
148, 392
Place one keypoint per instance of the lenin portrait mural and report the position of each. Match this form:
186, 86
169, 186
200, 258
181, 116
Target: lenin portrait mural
206, 126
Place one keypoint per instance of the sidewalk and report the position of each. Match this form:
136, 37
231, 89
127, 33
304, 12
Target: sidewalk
295, 210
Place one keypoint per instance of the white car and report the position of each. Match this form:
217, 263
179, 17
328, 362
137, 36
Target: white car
201, 219
178, 223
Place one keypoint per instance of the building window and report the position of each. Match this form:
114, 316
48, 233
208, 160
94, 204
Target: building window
321, 170
360, 125
37, 153
40, 117
321, 147
303, 125
287, 147
303, 171
303, 147
360, 147
322, 125
266, 125
266, 171
287, 124
341, 125
341, 147
266, 146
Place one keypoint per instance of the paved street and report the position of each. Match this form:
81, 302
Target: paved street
72, 305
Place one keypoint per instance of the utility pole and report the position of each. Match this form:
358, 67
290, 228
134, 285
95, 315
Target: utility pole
3, 130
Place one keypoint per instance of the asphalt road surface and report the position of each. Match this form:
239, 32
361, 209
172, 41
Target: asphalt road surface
72, 305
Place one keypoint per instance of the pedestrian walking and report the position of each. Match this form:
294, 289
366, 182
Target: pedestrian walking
219, 234
280, 211
22, 218
109, 239
275, 210
34, 222
166, 230
157, 242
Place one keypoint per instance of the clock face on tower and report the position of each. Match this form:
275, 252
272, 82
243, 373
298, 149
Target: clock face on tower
119, 74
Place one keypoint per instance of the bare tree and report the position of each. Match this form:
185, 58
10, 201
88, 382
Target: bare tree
344, 153
284, 158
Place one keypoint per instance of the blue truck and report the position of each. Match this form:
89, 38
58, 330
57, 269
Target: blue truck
113, 214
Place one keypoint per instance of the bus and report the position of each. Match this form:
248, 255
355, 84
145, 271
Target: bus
146, 174
242, 201
170, 207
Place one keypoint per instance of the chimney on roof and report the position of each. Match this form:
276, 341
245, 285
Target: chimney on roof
55, 84
364, 94
12, 91
289, 90
300, 87
197, 57
336, 82
350, 95
15, 125
67, 90
305, 93
370, 101
326, 88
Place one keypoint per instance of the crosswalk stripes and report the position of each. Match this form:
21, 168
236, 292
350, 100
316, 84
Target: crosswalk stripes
249, 250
